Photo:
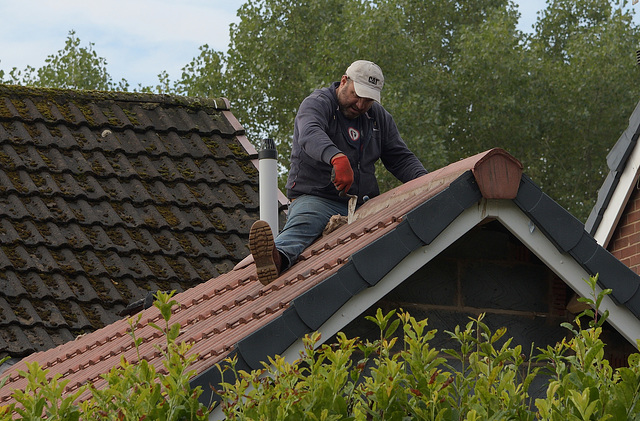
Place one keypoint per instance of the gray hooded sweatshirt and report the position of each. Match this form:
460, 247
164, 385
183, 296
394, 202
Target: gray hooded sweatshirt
321, 131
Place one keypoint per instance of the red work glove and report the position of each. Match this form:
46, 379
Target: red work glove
342, 176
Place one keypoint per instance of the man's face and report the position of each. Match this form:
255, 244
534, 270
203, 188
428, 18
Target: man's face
351, 105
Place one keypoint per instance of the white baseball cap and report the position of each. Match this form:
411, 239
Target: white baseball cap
367, 79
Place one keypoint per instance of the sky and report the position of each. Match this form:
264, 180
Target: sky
138, 38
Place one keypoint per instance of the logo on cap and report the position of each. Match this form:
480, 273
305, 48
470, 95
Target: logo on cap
367, 79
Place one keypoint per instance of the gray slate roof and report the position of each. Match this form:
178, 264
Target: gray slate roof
106, 196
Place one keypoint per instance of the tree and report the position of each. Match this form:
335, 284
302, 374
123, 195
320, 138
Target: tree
488, 89
461, 78
202, 77
73, 67
585, 87
279, 52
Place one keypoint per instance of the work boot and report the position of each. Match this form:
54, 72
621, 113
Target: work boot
265, 254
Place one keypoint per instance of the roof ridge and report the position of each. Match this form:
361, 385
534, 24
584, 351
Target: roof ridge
220, 103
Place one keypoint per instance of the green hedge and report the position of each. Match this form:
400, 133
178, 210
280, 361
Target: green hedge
396, 377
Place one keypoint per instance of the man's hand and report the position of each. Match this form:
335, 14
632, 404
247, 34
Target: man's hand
342, 176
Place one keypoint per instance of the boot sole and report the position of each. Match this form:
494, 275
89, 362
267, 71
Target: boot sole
261, 246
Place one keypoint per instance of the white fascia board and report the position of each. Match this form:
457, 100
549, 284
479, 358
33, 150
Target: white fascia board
618, 202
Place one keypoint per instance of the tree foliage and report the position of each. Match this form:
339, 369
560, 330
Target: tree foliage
73, 67
400, 377
279, 52
460, 78
203, 77
586, 90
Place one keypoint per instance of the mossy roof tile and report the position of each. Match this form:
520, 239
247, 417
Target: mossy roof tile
11, 206
14, 340
10, 158
58, 288
36, 289
12, 286
8, 233
105, 196
7, 315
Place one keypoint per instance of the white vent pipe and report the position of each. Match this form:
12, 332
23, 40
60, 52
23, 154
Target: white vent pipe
268, 184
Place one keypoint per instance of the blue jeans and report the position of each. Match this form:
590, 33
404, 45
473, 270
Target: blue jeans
308, 215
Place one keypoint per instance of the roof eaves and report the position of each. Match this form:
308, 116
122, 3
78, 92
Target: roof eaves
605, 194
272, 339
559, 225
568, 236
571, 269
319, 303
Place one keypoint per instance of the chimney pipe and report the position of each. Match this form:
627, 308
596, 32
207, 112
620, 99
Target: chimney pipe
268, 183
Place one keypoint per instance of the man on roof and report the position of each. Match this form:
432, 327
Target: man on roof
340, 132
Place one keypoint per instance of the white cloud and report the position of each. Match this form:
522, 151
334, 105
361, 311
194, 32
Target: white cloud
139, 38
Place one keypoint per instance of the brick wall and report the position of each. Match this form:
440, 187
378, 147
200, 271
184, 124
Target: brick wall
625, 242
